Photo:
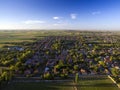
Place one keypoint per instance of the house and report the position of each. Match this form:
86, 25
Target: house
27, 72
83, 72
46, 69
18, 48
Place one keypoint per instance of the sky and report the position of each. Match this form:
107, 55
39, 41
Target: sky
60, 14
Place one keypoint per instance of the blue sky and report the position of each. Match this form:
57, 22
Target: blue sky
60, 14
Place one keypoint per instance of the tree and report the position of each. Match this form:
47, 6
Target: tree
76, 67
114, 71
76, 77
48, 75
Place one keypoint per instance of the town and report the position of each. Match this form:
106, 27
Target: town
61, 57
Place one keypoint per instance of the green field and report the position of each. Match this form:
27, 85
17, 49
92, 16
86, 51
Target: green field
83, 84
7, 37
40, 86
96, 84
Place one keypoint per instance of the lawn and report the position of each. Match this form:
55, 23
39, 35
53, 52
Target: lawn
40, 86
96, 84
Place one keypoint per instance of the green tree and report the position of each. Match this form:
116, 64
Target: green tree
76, 77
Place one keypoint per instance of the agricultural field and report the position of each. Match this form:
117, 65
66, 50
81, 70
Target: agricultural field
11, 37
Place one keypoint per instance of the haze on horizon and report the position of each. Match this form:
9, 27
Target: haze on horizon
60, 14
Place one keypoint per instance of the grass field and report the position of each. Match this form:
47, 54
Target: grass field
18, 36
40, 86
83, 84
26, 36
96, 84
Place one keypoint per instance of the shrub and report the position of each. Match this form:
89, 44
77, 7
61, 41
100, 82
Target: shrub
48, 76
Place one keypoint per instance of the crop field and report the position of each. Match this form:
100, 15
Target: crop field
7, 37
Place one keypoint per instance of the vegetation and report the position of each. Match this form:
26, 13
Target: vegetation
40, 86
96, 84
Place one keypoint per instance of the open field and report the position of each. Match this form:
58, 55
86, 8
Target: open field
7, 37
96, 84
40, 86
83, 84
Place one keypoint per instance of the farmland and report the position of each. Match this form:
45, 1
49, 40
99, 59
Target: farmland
9, 37
59, 55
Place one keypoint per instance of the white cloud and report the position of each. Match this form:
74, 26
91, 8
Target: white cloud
56, 18
96, 13
73, 16
34, 22
56, 24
